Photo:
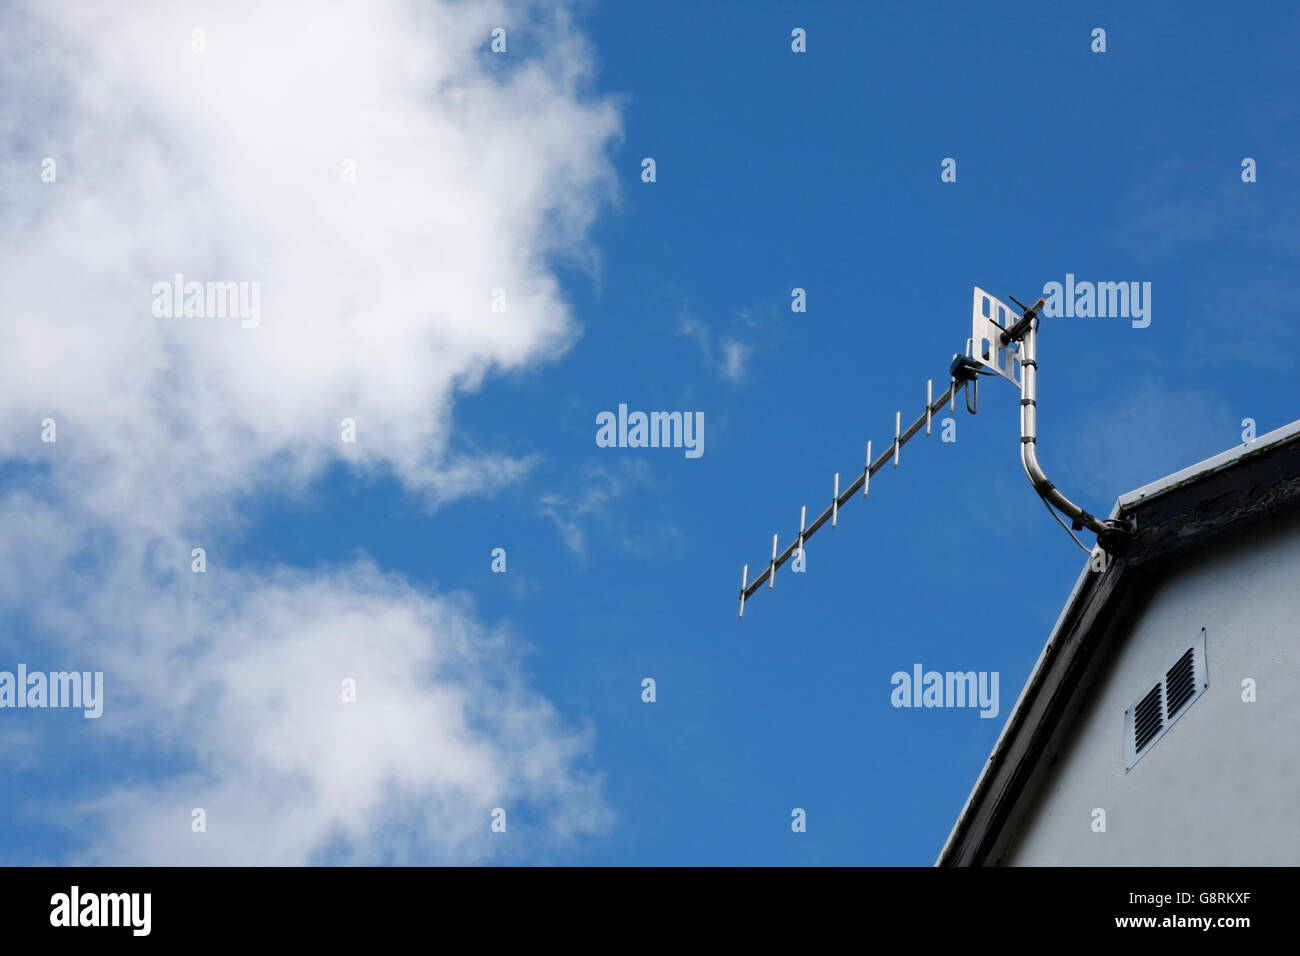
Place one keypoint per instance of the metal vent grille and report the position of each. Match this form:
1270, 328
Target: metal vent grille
1149, 719
1163, 701
1180, 682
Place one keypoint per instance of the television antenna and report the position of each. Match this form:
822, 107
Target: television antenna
1003, 343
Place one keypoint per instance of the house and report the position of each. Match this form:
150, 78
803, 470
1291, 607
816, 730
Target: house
1161, 723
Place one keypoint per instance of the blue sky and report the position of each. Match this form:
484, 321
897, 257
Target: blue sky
774, 170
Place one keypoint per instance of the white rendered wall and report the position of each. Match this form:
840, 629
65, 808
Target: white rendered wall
1222, 785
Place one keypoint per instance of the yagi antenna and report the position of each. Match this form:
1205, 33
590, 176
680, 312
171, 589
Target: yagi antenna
1002, 343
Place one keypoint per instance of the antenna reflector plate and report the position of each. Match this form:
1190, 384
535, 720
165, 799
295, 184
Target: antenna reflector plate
989, 319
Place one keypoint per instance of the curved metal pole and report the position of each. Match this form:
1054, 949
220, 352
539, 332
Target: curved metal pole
1029, 435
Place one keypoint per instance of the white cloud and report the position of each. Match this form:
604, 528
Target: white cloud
605, 500
734, 357
595, 503
735, 354
443, 730
472, 175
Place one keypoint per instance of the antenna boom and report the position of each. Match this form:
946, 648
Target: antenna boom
847, 494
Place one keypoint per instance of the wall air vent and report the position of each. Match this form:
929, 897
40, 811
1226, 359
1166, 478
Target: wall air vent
1148, 718
1164, 700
